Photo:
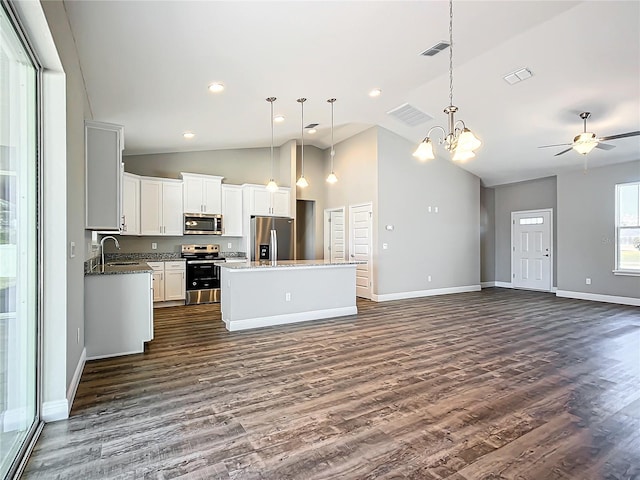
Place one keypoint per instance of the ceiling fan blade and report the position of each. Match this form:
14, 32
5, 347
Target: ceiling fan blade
604, 146
620, 135
556, 145
563, 151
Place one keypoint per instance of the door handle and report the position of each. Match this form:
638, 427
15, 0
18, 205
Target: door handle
546, 254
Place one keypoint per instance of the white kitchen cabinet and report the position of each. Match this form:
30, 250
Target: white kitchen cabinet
130, 204
168, 280
160, 206
262, 202
104, 143
118, 314
202, 193
232, 210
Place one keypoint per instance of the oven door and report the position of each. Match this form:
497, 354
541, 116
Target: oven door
202, 275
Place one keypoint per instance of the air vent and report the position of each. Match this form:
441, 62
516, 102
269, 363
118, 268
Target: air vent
437, 48
517, 76
410, 115
311, 125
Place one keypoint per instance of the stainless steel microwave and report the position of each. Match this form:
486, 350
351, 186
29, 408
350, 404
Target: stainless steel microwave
202, 224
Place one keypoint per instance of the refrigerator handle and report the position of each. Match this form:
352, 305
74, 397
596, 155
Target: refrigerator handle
274, 246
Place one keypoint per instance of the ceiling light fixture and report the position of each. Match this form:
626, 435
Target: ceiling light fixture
188, 135
272, 186
216, 87
332, 176
278, 118
460, 141
586, 141
376, 92
302, 182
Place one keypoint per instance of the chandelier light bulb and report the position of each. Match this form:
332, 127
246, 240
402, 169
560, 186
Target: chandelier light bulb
424, 151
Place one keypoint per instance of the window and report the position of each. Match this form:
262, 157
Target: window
532, 221
628, 227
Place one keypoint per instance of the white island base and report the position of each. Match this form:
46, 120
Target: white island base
259, 295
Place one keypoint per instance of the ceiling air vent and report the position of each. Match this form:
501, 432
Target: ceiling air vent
410, 115
437, 48
311, 125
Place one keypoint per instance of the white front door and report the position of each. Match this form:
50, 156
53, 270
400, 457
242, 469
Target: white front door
531, 260
360, 245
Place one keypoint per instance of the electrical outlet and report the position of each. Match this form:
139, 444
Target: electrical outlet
428, 278
78, 336
154, 246
287, 297
229, 245
435, 209
587, 281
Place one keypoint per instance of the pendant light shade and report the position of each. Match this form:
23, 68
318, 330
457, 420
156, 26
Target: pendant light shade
425, 150
302, 182
332, 178
272, 186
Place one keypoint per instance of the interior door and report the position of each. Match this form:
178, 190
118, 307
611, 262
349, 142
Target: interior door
360, 229
336, 235
531, 262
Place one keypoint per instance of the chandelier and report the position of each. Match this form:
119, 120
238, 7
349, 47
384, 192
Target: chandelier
459, 140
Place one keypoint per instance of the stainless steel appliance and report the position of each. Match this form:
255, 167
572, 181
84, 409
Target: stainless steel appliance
203, 273
271, 238
202, 224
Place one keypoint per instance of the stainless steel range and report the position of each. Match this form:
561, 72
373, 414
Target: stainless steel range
203, 273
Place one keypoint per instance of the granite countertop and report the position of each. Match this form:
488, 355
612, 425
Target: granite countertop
287, 264
119, 268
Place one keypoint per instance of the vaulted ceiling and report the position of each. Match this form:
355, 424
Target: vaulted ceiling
147, 65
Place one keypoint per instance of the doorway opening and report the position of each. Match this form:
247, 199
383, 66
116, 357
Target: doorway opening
305, 229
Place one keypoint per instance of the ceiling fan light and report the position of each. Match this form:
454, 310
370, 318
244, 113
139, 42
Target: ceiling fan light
332, 178
468, 140
461, 154
585, 142
424, 151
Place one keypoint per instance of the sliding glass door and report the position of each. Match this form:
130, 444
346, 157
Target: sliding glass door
18, 246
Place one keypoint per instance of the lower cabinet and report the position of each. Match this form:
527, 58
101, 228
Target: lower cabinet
168, 280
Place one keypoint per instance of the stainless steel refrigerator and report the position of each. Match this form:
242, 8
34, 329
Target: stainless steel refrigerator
271, 238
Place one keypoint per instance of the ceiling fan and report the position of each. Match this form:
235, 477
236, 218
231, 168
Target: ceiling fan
586, 141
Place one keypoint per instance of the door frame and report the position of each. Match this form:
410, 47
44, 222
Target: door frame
327, 230
551, 250
370, 259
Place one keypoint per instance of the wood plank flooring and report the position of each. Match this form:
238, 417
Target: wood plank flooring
498, 384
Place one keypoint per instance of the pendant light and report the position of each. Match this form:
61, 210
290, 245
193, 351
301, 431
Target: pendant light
332, 176
302, 182
272, 186
460, 141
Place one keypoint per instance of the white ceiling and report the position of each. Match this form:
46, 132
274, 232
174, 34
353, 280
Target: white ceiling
147, 65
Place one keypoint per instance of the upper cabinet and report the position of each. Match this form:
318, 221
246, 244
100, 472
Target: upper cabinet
232, 210
104, 143
160, 206
130, 204
259, 201
202, 193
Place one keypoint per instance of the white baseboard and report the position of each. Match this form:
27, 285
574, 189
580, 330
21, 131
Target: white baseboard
424, 293
487, 284
75, 381
235, 325
504, 284
55, 410
15, 420
596, 297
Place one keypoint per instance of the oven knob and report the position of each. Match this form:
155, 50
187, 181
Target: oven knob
194, 283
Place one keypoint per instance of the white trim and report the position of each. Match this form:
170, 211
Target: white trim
55, 410
119, 354
627, 273
596, 297
504, 284
424, 293
487, 284
257, 322
15, 420
75, 381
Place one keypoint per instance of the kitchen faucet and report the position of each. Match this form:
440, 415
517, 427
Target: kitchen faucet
102, 246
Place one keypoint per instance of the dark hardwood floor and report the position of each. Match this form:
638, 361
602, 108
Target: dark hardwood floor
498, 384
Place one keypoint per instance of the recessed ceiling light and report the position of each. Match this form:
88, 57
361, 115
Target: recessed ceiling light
311, 131
216, 87
376, 92
278, 118
188, 135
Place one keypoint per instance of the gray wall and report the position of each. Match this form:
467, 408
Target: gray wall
77, 111
445, 245
487, 234
531, 195
314, 172
586, 231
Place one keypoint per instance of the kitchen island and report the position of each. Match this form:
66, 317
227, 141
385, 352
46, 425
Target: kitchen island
255, 294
